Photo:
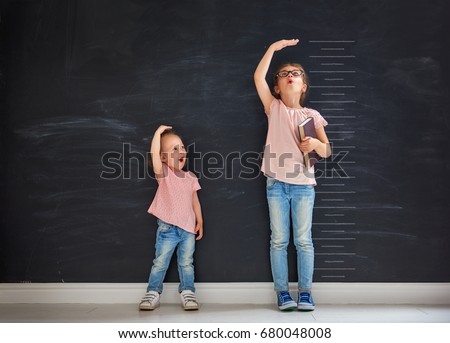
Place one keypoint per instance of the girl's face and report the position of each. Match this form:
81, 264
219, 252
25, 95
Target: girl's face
173, 152
290, 81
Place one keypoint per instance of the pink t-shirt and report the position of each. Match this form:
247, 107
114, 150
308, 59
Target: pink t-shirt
283, 159
173, 199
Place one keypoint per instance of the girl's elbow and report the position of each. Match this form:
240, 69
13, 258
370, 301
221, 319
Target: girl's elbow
258, 78
328, 151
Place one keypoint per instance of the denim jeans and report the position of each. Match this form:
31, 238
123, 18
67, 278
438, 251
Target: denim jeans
169, 237
288, 201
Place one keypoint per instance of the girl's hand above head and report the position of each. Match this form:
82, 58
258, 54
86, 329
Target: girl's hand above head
163, 128
264, 92
281, 44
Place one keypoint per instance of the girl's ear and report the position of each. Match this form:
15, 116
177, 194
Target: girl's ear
304, 88
276, 89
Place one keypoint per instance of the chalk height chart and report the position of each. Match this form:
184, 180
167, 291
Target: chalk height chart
332, 75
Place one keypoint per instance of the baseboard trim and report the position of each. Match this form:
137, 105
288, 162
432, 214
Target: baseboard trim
222, 293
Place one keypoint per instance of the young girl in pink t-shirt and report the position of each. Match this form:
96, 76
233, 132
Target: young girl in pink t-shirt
290, 185
177, 207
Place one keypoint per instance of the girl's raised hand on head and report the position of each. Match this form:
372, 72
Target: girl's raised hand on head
163, 128
281, 44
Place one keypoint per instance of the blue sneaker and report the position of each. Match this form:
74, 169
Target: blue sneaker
305, 302
285, 302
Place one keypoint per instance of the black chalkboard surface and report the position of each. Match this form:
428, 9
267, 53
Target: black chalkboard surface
85, 84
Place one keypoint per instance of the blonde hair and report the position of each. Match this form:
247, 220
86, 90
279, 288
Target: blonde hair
304, 77
168, 133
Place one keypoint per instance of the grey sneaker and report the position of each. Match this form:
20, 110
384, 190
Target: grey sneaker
150, 301
188, 300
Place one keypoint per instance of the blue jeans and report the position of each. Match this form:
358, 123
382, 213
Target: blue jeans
169, 237
288, 201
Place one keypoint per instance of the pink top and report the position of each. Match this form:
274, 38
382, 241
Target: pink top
173, 200
283, 159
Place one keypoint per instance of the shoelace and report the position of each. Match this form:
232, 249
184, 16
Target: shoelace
285, 296
304, 297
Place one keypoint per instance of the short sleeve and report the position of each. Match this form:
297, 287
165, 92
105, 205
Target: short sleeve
195, 183
319, 121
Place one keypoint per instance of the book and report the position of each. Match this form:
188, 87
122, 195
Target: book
308, 129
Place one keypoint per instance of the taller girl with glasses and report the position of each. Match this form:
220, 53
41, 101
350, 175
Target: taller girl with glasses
290, 185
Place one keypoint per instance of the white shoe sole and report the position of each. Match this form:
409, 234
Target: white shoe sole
148, 307
190, 308
306, 307
288, 307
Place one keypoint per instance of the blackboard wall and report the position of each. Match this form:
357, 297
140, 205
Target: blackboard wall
86, 83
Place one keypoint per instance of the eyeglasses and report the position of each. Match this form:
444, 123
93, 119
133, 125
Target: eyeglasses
294, 73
